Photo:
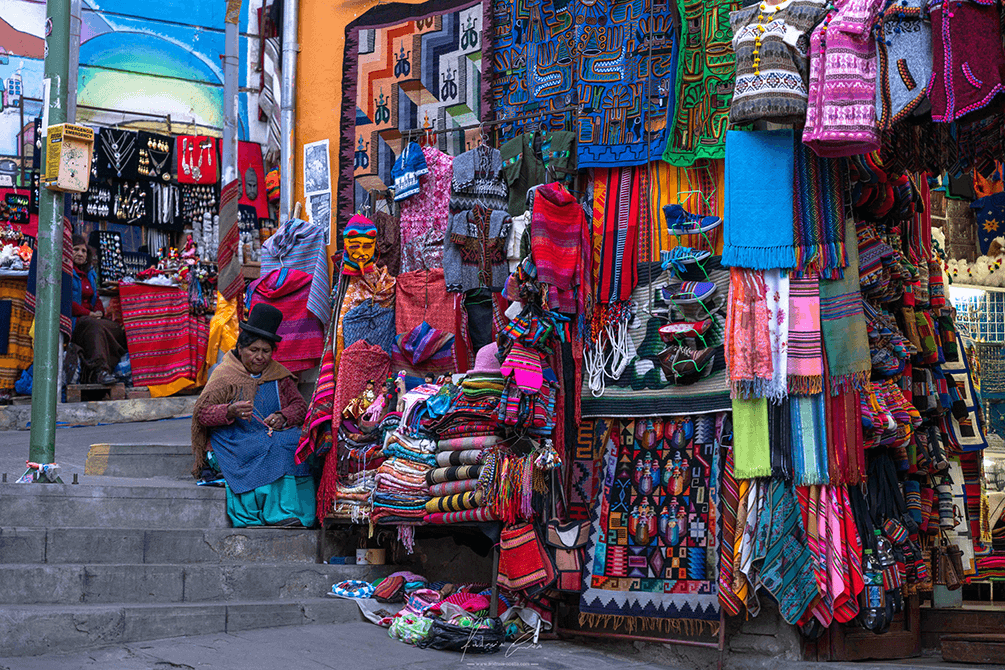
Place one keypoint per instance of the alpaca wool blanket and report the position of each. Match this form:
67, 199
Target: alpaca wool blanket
758, 221
453, 473
457, 502
471, 515
465, 457
450, 488
462, 443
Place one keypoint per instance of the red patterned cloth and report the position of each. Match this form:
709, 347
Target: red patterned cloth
166, 343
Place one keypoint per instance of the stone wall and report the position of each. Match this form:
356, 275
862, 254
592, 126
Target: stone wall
956, 220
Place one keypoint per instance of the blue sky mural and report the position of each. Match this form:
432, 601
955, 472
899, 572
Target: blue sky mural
158, 57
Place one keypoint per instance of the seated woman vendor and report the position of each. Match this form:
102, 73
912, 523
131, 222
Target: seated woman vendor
102, 340
250, 415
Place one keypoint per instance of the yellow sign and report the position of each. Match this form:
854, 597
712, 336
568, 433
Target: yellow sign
68, 158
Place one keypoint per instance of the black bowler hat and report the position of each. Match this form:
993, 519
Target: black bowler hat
264, 320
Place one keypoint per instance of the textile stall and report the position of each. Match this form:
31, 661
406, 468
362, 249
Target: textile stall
663, 306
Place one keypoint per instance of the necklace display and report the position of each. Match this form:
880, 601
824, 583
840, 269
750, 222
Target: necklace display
153, 159
166, 205
118, 150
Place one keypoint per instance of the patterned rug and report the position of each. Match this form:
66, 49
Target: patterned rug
166, 343
653, 552
584, 467
407, 67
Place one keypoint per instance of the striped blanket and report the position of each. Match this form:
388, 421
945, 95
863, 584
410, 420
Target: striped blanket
166, 343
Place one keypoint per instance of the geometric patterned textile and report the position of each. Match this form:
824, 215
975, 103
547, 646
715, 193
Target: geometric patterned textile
617, 58
653, 548
408, 67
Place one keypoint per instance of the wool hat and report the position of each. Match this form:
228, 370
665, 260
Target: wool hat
272, 183
525, 366
487, 359
359, 226
264, 320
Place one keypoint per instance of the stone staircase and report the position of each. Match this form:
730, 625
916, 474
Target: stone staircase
115, 560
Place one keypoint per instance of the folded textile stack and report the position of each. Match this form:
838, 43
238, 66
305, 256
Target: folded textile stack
353, 496
402, 489
457, 497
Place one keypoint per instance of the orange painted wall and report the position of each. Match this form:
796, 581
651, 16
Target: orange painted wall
319, 78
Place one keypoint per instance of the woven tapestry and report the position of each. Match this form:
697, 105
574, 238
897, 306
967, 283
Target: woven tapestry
653, 552
617, 58
409, 67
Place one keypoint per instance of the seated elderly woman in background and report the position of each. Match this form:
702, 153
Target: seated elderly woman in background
101, 340
250, 415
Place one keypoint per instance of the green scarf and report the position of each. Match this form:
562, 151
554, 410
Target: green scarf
751, 444
842, 321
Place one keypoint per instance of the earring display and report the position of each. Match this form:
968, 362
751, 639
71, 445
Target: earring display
111, 266
155, 156
96, 203
197, 200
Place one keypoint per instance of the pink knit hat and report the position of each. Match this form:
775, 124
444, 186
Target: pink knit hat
486, 360
525, 366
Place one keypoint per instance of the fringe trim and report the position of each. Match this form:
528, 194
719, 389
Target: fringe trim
805, 385
826, 260
638, 624
853, 381
759, 258
754, 473
757, 388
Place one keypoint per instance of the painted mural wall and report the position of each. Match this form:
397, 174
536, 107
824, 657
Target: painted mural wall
160, 58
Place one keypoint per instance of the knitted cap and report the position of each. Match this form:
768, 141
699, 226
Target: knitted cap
525, 366
272, 185
486, 360
359, 226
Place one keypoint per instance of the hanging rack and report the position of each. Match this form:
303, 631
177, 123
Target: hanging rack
412, 132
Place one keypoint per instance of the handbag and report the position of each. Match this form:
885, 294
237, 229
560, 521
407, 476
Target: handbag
947, 564
567, 542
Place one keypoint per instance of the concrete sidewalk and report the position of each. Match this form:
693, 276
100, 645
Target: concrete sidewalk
364, 646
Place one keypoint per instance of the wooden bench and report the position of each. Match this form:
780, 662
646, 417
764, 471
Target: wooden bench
80, 392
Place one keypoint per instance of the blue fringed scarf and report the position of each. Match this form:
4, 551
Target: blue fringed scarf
759, 226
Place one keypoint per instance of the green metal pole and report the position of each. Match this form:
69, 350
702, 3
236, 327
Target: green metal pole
42, 447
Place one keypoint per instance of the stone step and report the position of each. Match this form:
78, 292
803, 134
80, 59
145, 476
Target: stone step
164, 545
30, 630
146, 504
140, 460
973, 648
70, 584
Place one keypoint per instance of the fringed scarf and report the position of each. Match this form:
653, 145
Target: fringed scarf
751, 451
730, 602
809, 439
616, 197
787, 567
779, 432
819, 214
759, 207
805, 357
747, 340
777, 297
842, 323
845, 444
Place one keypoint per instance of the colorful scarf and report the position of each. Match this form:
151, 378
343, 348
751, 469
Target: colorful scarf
809, 439
805, 358
559, 233
842, 324
751, 438
616, 195
759, 200
779, 436
729, 501
845, 445
747, 338
777, 298
787, 564
819, 214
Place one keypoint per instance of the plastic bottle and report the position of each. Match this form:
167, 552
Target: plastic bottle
873, 596
884, 551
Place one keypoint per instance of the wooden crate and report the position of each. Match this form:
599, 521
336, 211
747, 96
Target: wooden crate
81, 392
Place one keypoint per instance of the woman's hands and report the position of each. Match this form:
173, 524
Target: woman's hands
275, 421
242, 409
